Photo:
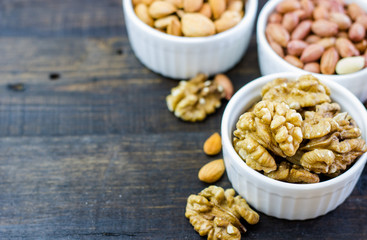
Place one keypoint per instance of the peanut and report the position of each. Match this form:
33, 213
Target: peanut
278, 33
354, 11
218, 7
302, 30
341, 19
350, 65
288, 6
206, 10
312, 67
174, 27
159, 9
346, 48
192, 5
329, 60
277, 48
197, 25
141, 11
312, 53
227, 20
296, 47
294, 61
356, 32
324, 28
290, 21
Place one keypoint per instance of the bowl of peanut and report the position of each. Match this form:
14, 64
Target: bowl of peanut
181, 38
324, 37
294, 144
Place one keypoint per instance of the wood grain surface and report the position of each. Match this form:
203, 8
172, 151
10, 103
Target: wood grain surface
88, 147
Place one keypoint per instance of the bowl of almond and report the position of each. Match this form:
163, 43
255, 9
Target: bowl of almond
293, 144
181, 38
324, 37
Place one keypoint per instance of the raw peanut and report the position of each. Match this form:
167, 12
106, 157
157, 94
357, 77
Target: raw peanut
301, 14
342, 35
163, 22
312, 53
288, 6
197, 25
346, 48
206, 10
177, 3
141, 11
365, 58
337, 6
302, 30
225, 82
213, 145
275, 18
320, 12
227, 20
361, 46
159, 9
236, 5
192, 5
212, 171
296, 47
356, 32
362, 19
136, 2
341, 19
312, 39
147, 2
294, 61
327, 42
290, 21
350, 65
354, 11
324, 28
278, 33
218, 7
308, 7
277, 48
329, 60
174, 27
324, 3
312, 67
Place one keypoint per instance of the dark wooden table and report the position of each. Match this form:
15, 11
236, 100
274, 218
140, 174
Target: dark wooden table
88, 147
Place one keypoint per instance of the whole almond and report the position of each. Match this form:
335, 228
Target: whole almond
164, 22
350, 65
308, 6
277, 48
329, 60
278, 33
296, 47
226, 83
312, 67
174, 27
227, 20
362, 19
141, 11
290, 21
302, 30
192, 5
327, 42
213, 145
361, 46
212, 171
312, 53
294, 61
346, 48
197, 25
324, 28
218, 7
320, 12
312, 39
354, 11
275, 18
159, 9
288, 6
341, 19
356, 32
206, 10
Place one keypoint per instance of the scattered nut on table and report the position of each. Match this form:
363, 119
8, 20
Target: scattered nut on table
213, 145
296, 133
193, 100
327, 36
212, 171
216, 212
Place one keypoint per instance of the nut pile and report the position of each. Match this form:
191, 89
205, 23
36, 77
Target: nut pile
320, 36
297, 134
190, 18
216, 212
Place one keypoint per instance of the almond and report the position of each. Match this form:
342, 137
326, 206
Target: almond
192, 5
288, 6
141, 11
278, 33
356, 32
329, 60
159, 9
213, 145
290, 21
197, 25
302, 30
312, 53
174, 27
341, 19
206, 10
275, 18
212, 171
312, 67
226, 83
324, 28
296, 47
218, 7
346, 48
277, 48
227, 20
294, 61
350, 65
354, 11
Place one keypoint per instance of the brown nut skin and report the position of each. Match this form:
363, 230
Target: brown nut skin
312, 67
288, 6
226, 83
324, 28
328, 62
294, 61
362, 19
212, 171
278, 33
354, 11
296, 47
341, 19
275, 18
213, 145
346, 48
320, 12
277, 48
308, 6
290, 21
302, 30
357, 32
312, 53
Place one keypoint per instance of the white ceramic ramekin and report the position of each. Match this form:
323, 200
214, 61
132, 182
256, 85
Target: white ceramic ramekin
184, 57
280, 199
270, 62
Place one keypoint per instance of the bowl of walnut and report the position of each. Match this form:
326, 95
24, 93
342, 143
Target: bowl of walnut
294, 144
327, 38
181, 38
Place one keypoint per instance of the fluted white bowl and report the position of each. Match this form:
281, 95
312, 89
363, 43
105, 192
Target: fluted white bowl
271, 62
184, 57
280, 199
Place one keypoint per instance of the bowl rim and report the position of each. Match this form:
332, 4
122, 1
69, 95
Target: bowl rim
249, 15
259, 177
267, 9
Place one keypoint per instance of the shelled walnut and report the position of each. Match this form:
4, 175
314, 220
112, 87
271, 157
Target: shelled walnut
193, 100
296, 133
216, 212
